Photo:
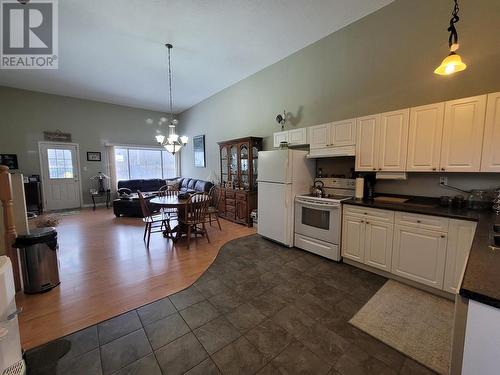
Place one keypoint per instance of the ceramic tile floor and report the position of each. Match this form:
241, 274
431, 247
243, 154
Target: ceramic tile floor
259, 309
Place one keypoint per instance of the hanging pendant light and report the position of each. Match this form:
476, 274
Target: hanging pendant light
453, 62
173, 143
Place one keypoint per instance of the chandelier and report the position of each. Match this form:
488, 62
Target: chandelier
173, 143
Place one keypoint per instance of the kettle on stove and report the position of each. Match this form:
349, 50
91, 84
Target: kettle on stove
317, 189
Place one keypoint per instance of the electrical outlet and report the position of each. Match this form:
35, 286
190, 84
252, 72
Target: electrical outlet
443, 180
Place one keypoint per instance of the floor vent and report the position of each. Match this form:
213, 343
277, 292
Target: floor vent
18, 368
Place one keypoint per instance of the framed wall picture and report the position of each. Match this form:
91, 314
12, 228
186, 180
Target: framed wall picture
93, 156
199, 151
10, 160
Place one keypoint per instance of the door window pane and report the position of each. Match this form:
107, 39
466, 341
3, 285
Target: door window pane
60, 163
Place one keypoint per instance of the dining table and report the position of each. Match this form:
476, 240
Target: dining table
173, 202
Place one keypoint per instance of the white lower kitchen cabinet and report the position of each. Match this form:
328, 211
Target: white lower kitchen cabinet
367, 241
378, 244
353, 238
460, 236
430, 250
419, 255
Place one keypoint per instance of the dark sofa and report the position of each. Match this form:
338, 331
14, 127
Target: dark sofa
125, 206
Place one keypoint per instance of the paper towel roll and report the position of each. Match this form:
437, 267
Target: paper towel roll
360, 188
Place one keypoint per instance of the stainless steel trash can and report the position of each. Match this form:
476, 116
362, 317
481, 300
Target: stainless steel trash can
38, 256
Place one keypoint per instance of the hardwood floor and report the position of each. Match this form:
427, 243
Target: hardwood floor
105, 270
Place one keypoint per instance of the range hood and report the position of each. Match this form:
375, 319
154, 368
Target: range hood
329, 152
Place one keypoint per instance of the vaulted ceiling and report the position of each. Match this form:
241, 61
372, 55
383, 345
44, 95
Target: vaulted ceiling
113, 50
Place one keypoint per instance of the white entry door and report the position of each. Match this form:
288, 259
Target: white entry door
60, 175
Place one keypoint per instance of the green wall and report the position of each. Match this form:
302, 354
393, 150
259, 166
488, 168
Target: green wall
382, 62
25, 115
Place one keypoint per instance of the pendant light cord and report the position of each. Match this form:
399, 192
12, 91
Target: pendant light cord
453, 39
169, 47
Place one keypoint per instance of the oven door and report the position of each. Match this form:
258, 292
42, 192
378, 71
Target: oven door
318, 220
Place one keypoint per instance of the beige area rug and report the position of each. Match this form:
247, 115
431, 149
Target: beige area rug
416, 323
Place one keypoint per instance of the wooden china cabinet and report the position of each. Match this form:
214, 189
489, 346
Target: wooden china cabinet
238, 171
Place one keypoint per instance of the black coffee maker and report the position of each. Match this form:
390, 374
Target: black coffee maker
369, 189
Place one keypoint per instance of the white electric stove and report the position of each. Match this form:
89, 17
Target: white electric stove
318, 219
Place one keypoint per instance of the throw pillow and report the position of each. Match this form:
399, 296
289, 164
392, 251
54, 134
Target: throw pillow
173, 185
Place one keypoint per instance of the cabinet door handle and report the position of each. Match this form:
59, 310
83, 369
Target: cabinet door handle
380, 169
362, 221
366, 213
418, 221
433, 169
374, 169
367, 222
443, 169
443, 236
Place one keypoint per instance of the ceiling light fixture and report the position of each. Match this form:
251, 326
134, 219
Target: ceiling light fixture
453, 62
173, 143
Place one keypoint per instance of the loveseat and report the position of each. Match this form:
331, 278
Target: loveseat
128, 204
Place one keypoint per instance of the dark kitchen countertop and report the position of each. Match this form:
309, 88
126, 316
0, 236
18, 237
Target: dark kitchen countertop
481, 280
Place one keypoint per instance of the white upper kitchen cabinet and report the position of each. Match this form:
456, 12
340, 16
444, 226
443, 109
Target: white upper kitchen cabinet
463, 134
343, 133
280, 137
419, 255
367, 142
490, 161
294, 137
393, 140
460, 237
319, 136
424, 138
297, 137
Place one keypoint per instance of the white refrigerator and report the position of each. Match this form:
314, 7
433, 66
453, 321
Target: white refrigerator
282, 174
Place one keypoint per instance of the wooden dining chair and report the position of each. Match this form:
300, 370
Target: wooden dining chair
153, 223
213, 209
166, 191
195, 215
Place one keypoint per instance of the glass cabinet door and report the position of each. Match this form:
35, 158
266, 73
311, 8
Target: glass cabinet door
224, 165
255, 163
244, 166
233, 165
